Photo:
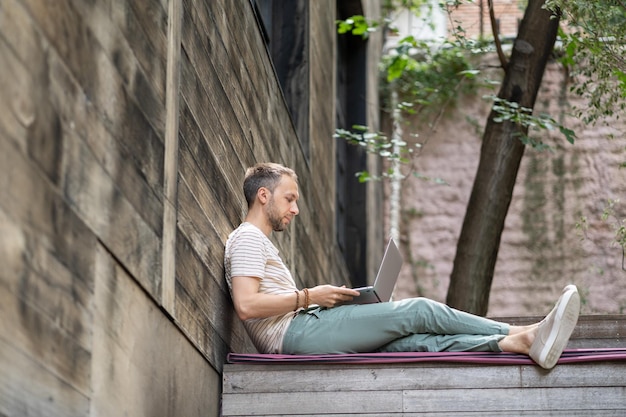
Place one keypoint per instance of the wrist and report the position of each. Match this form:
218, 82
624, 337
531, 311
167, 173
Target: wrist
297, 300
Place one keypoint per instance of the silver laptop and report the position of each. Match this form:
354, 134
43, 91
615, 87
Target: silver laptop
385, 281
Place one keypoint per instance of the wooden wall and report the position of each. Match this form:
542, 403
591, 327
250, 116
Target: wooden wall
125, 130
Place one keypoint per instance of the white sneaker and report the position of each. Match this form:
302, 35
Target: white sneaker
570, 287
556, 328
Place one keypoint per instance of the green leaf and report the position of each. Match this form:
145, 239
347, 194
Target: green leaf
471, 73
568, 133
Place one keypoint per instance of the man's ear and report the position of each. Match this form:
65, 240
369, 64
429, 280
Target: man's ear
263, 194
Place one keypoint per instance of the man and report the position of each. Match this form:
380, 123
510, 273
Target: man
280, 318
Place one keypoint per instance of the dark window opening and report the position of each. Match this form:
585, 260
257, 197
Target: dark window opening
351, 220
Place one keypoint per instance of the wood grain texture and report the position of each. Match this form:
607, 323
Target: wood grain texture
425, 388
170, 164
126, 128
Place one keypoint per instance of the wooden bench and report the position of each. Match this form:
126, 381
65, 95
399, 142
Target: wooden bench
595, 388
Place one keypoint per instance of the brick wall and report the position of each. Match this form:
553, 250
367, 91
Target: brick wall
468, 15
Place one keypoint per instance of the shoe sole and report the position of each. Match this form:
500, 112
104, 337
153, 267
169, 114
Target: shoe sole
562, 328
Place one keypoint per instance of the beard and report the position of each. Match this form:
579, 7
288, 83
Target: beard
275, 219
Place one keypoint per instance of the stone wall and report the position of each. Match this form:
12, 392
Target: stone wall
541, 250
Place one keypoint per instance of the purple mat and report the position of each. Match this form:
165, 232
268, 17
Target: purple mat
492, 358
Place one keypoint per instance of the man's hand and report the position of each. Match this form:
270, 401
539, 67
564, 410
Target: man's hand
330, 295
250, 303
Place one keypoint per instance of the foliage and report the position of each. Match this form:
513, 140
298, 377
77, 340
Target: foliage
357, 25
593, 50
377, 143
429, 77
361, 26
389, 6
522, 116
426, 76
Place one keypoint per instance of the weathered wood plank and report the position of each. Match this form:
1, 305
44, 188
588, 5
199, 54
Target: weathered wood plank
50, 87
202, 236
137, 173
258, 100
28, 200
134, 37
194, 324
170, 164
83, 54
477, 398
100, 90
96, 198
32, 274
204, 286
600, 327
204, 309
591, 399
199, 166
36, 129
519, 413
271, 129
322, 49
316, 403
407, 376
145, 26
209, 145
210, 106
22, 184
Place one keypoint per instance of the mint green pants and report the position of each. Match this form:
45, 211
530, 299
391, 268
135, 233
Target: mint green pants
412, 325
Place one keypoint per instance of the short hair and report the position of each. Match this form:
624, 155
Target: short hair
264, 174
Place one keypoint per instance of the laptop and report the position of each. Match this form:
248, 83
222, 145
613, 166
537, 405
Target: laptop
385, 281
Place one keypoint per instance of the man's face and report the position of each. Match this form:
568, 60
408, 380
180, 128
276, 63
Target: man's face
282, 207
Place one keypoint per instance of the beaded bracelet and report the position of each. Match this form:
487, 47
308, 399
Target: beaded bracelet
297, 300
306, 297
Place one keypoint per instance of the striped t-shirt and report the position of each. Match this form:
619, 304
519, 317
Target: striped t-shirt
249, 253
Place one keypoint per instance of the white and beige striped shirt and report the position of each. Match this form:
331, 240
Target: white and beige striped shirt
249, 253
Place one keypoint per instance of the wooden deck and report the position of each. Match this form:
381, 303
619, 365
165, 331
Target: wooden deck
437, 389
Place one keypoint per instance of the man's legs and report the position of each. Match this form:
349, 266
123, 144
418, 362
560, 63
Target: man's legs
416, 324
420, 324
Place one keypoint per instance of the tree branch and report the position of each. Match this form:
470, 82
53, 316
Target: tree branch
496, 36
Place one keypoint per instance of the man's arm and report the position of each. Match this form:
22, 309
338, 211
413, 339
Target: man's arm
250, 303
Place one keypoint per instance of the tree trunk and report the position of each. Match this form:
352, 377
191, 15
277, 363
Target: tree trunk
500, 158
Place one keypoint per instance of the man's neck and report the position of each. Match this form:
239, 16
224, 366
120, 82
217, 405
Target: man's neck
257, 219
